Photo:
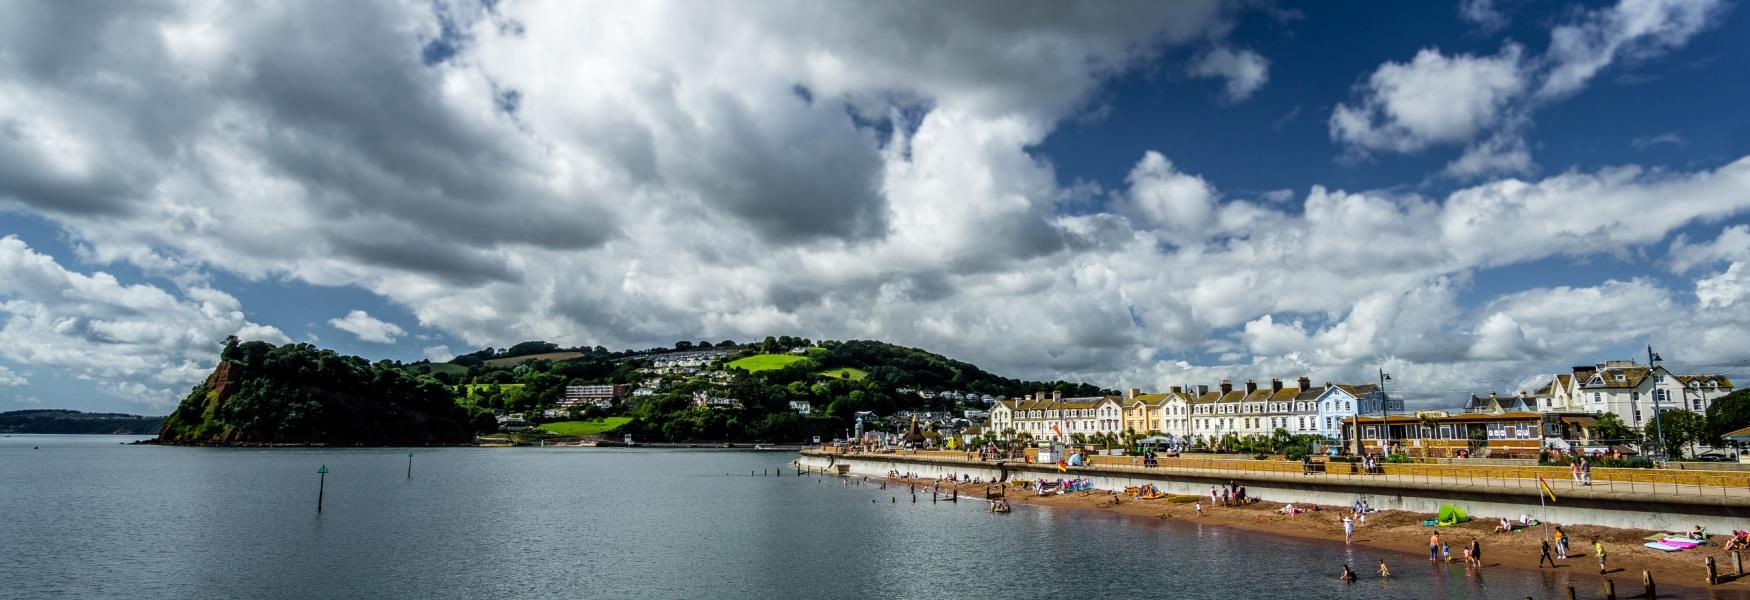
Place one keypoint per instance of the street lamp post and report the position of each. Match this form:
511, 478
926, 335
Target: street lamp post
1653, 371
1384, 425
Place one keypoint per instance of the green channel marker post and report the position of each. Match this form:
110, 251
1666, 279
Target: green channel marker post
320, 485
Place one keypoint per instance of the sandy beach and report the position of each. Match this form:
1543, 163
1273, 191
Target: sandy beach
1402, 534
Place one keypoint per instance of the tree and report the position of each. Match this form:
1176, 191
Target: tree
1726, 414
683, 345
1679, 427
1610, 429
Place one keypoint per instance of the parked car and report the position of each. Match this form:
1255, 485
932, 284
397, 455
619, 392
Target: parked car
1715, 457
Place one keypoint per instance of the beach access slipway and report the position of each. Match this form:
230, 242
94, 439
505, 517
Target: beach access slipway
1677, 508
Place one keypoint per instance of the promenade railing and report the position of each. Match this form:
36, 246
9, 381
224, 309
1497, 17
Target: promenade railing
1652, 481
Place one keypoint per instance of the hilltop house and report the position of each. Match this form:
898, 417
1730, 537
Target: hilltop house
704, 399
802, 407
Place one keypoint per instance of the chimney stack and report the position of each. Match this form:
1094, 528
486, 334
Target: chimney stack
1174, 389
1275, 385
1038, 395
1305, 383
1134, 392
1056, 395
1251, 386
1226, 386
1202, 390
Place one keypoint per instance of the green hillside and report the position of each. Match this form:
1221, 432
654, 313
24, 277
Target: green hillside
299, 394
766, 362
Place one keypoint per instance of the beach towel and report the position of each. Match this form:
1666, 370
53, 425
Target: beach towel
1430, 523
1661, 547
1679, 542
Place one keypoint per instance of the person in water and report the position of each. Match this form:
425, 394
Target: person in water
1384, 573
1347, 576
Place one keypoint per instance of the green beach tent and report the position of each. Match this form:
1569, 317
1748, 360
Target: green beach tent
1451, 515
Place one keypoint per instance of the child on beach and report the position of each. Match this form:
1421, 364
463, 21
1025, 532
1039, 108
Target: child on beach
1199, 509
1598, 547
1383, 571
1348, 530
1446, 552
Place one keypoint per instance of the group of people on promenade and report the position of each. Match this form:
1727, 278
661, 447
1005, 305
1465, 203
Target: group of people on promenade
1582, 470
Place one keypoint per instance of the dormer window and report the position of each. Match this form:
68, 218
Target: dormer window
1621, 377
1695, 385
1713, 384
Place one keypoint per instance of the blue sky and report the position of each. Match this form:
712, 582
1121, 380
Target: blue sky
1471, 195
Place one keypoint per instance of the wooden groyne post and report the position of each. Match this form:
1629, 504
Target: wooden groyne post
1713, 571
321, 486
1570, 592
1737, 564
1647, 581
1609, 589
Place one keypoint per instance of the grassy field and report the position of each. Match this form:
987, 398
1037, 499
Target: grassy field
845, 373
553, 356
766, 362
435, 368
590, 427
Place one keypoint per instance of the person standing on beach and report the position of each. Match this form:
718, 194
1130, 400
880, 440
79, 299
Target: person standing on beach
1598, 547
1545, 557
1199, 509
1348, 530
1476, 552
1434, 547
1561, 543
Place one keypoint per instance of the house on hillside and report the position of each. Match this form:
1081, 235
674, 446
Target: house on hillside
705, 399
599, 396
802, 407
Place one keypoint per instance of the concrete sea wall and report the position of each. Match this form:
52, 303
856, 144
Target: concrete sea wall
1667, 512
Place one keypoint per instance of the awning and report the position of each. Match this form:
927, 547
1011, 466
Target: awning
1741, 435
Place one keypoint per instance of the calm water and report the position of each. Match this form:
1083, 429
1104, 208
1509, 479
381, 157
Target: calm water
84, 516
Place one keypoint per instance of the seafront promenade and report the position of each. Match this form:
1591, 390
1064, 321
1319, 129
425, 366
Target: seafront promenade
1668, 503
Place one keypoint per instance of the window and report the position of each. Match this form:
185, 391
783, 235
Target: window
1446, 432
1597, 397
1328, 423
1372, 431
1695, 403
1637, 416
1634, 396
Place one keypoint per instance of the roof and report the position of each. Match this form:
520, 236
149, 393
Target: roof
1617, 378
1738, 435
1717, 379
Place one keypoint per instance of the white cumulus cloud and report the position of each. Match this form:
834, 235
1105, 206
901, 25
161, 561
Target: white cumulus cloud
1245, 71
368, 328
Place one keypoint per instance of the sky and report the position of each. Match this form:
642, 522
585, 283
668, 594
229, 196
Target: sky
1468, 196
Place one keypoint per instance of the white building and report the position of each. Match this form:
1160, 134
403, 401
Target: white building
802, 407
1629, 390
1057, 418
1341, 401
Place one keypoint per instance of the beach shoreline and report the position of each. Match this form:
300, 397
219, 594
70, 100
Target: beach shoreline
1403, 540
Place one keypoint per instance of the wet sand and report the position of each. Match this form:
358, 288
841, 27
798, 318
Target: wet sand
1674, 573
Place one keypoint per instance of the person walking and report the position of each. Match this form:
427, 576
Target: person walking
1585, 471
1434, 547
1561, 543
1348, 530
1476, 552
1598, 547
1545, 557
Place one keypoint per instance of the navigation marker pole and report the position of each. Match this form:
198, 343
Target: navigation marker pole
321, 484
410, 465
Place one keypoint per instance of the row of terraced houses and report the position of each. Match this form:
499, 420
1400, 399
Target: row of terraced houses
1559, 413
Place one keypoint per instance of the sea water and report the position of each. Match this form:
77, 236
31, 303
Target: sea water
88, 516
